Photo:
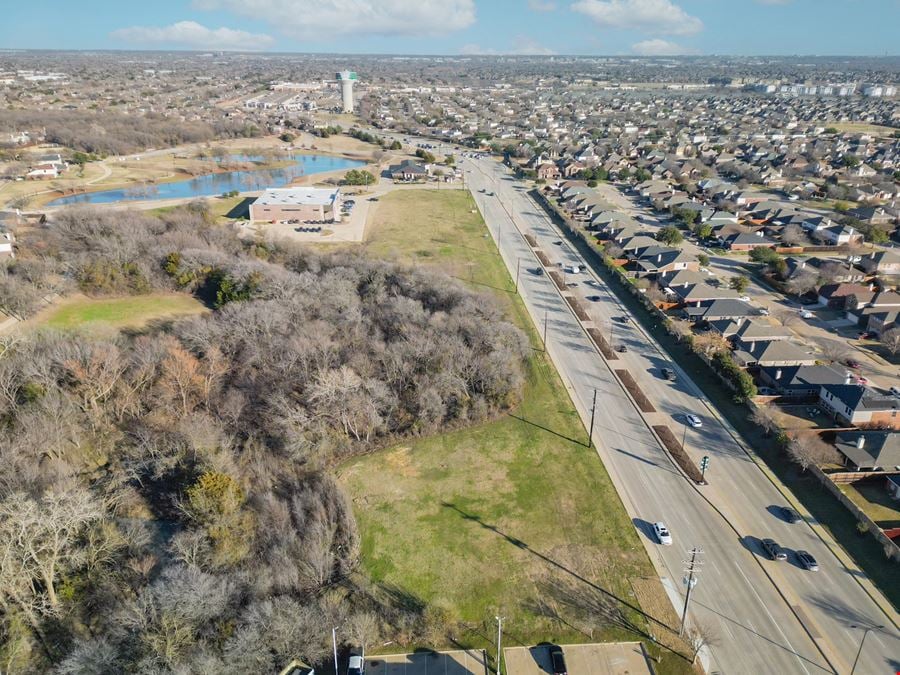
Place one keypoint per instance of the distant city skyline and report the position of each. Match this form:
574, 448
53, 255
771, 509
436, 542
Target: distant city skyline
475, 27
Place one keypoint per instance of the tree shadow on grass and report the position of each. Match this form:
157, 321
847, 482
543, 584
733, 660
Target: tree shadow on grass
548, 430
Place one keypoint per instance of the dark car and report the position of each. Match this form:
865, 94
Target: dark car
538, 271
557, 660
668, 373
622, 348
807, 562
790, 514
773, 550
356, 666
850, 363
594, 298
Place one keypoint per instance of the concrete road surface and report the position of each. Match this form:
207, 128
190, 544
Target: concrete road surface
769, 617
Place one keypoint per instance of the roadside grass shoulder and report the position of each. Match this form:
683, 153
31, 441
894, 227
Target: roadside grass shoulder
515, 515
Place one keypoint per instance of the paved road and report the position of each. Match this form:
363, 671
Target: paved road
770, 617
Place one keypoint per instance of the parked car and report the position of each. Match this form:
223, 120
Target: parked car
853, 364
668, 373
807, 561
356, 666
806, 314
866, 335
557, 660
745, 298
662, 534
790, 514
694, 421
773, 550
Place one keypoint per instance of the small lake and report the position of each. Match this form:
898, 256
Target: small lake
215, 184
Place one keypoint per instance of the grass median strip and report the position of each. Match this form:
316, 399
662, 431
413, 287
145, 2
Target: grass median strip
677, 451
643, 403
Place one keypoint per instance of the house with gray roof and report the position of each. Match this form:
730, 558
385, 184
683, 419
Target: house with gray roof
870, 450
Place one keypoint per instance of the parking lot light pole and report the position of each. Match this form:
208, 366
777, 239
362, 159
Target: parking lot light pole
866, 630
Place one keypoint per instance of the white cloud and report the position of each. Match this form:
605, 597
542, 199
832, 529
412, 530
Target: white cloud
658, 16
658, 47
195, 35
324, 19
541, 6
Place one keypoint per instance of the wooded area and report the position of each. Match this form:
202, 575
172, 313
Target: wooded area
166, 503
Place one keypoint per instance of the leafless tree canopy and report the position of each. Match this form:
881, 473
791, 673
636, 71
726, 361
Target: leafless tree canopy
168, 493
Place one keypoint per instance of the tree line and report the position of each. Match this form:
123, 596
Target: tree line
167, 503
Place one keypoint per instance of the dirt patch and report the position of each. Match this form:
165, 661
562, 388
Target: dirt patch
545, 261
643, 403
663, 621
399, 461
578, 309
673, 445
602, 344
532, 242
558, 280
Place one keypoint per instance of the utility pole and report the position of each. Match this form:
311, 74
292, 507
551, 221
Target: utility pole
499, 641
591, 432
518, 263
691, 568
866, 630
334, 644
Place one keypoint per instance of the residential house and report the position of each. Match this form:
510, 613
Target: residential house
720, 309
869, 450
854, 404
655, 260
744, 241
6, 245
882, 263
799, 382
772, 353
837, 295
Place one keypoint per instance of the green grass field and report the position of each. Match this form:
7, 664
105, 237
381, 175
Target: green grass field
515, 516
115, 313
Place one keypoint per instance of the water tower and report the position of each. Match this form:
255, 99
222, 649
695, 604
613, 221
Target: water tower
346, 78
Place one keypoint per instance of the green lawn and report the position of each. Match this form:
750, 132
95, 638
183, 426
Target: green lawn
122, 312
515, 516
872, 497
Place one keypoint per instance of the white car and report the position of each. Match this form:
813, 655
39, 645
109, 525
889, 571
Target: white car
745, 298
807, 315
694, 421
662, 534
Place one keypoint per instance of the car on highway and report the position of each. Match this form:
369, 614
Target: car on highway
622, 348
490, 194
790, 514
895, 391
668, 373
662, 534
693, 421
624, 318
773, 550
807, 562
594, 298
557, 243
538, 271
557, 660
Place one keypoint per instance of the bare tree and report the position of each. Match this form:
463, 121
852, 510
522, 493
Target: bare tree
830, 272
764, 417
792, 235
41, 541
891, 340
809, 450
803, 282
787, 317
700, 636
833, 350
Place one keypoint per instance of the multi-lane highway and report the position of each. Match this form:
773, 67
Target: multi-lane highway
770, 617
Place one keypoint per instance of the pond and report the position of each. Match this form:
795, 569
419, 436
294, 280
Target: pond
216, 183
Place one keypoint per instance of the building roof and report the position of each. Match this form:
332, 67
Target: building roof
722, 309
787, 378
298, 195
773, 352
879, 449
859, 397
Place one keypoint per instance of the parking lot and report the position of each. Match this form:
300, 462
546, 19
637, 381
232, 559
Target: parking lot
619, 658
460, 662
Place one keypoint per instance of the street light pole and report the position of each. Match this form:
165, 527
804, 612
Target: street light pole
591, 431
518, 263
866, 630
499, 641
334, 645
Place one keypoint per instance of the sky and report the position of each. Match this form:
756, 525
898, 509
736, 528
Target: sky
582, 27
